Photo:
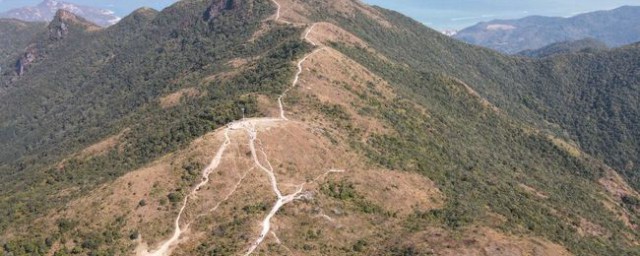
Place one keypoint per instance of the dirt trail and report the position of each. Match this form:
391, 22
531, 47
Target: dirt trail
277, 15
250, 126
282, 200
165, 247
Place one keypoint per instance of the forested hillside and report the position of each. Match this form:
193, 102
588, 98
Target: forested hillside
585, 45
311, 128
89, 85
15, 37
570, 92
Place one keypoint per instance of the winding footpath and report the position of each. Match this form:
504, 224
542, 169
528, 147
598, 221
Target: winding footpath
249, 126
165, 248
296, 79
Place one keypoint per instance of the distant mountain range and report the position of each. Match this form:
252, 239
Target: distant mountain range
615, 28
46, 10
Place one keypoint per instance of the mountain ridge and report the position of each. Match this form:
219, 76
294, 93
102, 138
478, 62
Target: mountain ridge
614, 27
584, 45
428, 117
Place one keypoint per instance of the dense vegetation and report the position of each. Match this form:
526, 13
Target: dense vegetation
480, 159
589, 98
66, 102
15, 37
94, 84
585, 45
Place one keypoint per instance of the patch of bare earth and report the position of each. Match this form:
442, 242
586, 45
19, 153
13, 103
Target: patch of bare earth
334, 79
481, 241
588, 228
236, 66
140, 198
485, 103
301, 155
616, 188
298, 155
175, 98
103, 146
570, 148
267, 106
325, 33
67, 16
533, 191
349, 8
399, 192
294, 11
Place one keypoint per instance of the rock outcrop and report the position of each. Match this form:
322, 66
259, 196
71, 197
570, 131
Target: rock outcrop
217, 6
27, 58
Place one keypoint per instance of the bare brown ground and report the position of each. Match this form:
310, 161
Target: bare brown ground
325, 32
267, 106
485, 103
566, 146
482, 241
616, 188
103, 146
328, 75
533, 191
295, 12
123, 196
299, 155
174, 99
67, 16
616, 185
399, 192
588, 228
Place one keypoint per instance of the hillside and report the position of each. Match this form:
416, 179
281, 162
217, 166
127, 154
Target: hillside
16, 36
318, 128
616, 28
46, 10
585, 45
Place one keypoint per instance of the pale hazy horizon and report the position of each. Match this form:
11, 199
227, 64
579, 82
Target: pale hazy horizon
438, 14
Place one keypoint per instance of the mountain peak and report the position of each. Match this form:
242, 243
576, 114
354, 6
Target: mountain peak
70, 18
64, 21
46, 10
64, 15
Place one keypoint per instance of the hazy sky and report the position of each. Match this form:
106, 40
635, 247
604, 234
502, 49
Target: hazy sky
457, 14
439, 14
121, 7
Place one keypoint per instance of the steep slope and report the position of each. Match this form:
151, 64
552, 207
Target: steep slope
15, 37
615, 28
46, 10
310, 132
66, 110
550, 94
585, 45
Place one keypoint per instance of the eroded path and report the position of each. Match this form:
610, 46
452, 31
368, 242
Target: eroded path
165, 247
251, 128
